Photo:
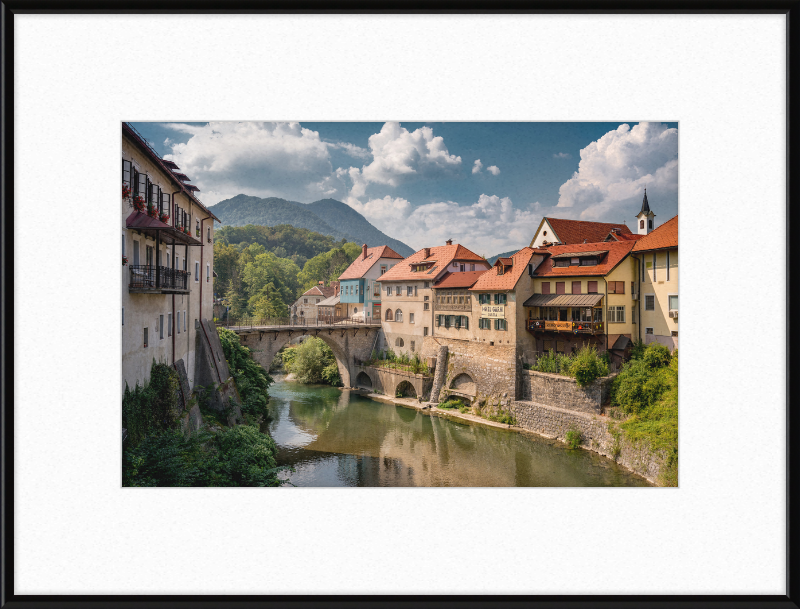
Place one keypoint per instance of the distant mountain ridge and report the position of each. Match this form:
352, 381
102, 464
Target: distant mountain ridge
493, 259
327, 216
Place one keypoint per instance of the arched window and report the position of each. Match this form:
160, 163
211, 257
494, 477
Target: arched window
355, 310
398, 342
649, 224
389, 315
398, 315
641, 223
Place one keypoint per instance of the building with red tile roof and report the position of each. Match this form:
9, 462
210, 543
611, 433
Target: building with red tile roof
558, 230
606, 255
360, 292
407, 291
662, 238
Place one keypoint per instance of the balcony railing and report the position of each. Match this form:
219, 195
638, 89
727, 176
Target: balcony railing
148, 277
579, 327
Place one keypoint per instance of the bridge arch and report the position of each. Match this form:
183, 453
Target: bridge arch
347, 344
464, 383
363, 380
405, 389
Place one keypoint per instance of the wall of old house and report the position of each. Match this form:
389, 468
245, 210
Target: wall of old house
660, 288
141, 311
406, 330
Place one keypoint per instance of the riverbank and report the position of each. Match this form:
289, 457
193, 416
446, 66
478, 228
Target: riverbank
598, 433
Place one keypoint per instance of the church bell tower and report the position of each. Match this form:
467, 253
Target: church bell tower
645, 217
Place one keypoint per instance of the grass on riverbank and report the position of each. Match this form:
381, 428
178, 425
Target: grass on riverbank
646, 390
389, 359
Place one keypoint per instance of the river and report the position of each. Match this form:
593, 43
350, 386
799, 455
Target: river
341, 438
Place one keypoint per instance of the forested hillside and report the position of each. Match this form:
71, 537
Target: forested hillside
256, 278
328, 217
283, 240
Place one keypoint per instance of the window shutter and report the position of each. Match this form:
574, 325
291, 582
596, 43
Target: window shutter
576, 287
620, 287
545, 287
126, 172
175, 214
465, 322
141, 188
592, 286
560, 287
165, 202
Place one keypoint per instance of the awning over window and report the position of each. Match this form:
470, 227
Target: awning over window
153, 227
563, 300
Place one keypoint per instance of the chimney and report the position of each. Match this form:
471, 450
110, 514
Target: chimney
364, 252
322, 283
427, 252
449, 242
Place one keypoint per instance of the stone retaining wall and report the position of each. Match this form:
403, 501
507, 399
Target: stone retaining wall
553, 422
387, 381
564, 392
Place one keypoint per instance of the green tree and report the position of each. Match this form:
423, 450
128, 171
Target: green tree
327, 266
313, 362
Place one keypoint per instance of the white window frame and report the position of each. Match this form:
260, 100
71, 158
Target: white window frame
669, 307
616, 314
649, 331
654, 302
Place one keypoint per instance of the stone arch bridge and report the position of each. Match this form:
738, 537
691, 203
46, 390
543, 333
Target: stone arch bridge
348, 342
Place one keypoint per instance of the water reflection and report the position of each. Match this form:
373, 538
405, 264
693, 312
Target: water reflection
339, 438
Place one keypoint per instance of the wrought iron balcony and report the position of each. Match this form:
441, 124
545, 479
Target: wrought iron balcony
577, 327
153, 279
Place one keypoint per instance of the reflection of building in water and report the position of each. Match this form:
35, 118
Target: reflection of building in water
383, 445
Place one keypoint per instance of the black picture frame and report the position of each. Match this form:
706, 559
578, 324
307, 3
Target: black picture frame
8, 598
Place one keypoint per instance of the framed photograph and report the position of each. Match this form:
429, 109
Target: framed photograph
398, 306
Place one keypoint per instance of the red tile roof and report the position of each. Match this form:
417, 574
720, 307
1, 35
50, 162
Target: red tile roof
575, 231
360, 265
459, 280
617, 251
319, 290
441, 257
664, 237
626, 237
491, 280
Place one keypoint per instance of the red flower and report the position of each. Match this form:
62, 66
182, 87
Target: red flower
138, 203
126, 191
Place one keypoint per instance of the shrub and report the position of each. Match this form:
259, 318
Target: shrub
553, 363
251, 379
637, 350
573, 437
239, 456
451, 404
153, 406
656, 355
314, 362
586, 366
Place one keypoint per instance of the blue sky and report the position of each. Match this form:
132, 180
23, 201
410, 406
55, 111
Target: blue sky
485, 185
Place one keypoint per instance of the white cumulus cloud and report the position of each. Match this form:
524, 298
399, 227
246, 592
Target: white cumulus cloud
562, 155
614, 170
493, 169
476, 168
489, 226
400, 156
256, 158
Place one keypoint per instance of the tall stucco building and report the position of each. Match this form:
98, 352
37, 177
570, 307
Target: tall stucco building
360, 283
408, 297
167, 262
657, 257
